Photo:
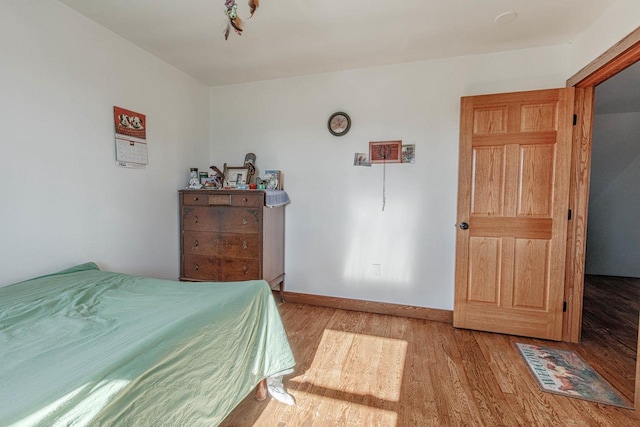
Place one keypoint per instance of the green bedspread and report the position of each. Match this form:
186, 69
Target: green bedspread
88, 347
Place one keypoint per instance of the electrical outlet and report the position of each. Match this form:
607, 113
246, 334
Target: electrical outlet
376, 269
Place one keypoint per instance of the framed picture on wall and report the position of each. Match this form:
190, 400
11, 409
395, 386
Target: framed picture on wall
409, 153
385, 151
361, 159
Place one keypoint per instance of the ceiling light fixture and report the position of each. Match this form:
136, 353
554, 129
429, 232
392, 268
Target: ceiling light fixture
506, 18
234, 19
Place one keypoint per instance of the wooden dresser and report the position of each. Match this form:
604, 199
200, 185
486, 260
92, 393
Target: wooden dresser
229, 236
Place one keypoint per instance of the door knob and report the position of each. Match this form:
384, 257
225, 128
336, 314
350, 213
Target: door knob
464, 225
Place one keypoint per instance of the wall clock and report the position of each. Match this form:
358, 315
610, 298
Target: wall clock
339, 123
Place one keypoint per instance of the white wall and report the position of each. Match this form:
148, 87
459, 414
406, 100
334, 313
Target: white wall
63, 199
613, 231
335, 228
619, 20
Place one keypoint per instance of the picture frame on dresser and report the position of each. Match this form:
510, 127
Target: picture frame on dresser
235, 176
273, 179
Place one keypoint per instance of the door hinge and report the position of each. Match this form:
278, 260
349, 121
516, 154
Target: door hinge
564, 306
575, 119
569, 215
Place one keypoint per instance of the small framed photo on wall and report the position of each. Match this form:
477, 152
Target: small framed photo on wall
361, 159
409, 153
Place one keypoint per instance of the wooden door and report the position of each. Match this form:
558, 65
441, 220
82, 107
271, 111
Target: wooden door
515, 153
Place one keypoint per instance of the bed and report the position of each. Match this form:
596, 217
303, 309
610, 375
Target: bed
90, 347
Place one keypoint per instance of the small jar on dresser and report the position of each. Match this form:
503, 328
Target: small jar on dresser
230, 236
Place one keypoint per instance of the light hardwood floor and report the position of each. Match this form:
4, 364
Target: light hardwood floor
361, 369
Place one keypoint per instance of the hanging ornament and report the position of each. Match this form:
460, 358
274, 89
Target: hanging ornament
253, 5
234, 19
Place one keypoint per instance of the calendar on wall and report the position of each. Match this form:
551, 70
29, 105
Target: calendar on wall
131, 138
131, 152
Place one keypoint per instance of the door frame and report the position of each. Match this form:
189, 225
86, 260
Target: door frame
620, 56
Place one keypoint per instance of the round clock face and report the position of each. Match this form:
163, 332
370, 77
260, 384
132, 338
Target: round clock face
339, 123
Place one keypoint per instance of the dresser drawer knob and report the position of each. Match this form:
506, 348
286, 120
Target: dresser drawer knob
195, 244
196, 267
244, 269
245, 200
195, 199
244, 245
196, 219
244, 221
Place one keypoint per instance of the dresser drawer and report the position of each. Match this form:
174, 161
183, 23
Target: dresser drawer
218, 269
221, 219
245, 246
238, 199
195, 199
247, 200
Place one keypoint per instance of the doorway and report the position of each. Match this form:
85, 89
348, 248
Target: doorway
611, 282
616, 59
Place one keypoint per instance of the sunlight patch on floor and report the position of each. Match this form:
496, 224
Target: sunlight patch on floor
358, 364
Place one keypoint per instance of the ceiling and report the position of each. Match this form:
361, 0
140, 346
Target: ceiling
299, 37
